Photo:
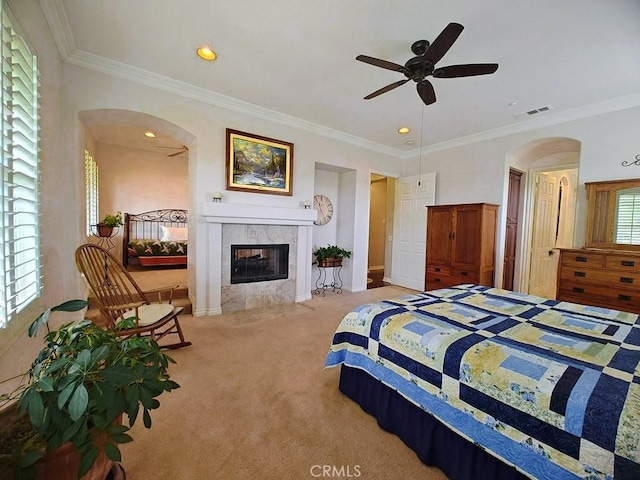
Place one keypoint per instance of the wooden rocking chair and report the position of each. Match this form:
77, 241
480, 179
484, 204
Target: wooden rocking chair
118, 297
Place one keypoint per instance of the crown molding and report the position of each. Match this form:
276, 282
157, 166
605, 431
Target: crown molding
137, 75
56, 18
615, 104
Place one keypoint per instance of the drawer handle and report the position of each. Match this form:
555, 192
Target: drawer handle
464, 274
628, 263
579, 274
581, 259
624, 297
437, 269
626, 279
578, 289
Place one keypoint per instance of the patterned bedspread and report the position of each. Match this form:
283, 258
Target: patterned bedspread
550, 387
143, 248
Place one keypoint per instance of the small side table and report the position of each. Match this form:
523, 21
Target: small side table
335, 264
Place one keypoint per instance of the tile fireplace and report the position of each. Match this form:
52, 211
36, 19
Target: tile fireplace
253, 227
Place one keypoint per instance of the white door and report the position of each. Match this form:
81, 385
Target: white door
544, 256
410, 229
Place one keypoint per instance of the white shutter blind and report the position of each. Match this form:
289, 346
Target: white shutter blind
628, 219
19, 222
91, 190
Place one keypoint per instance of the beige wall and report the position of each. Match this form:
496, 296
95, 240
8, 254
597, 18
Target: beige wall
378, 223
136, 181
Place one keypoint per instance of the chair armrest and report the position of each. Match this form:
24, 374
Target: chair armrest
162, 290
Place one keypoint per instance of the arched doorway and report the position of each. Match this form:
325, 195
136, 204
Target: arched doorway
138, 172
547, 210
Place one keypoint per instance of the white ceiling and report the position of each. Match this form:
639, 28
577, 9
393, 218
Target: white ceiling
297, 58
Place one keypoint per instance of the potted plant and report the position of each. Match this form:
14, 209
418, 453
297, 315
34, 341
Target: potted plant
72, 399
331, 256
108, 223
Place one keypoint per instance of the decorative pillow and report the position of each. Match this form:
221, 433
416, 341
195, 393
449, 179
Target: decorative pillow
174, 234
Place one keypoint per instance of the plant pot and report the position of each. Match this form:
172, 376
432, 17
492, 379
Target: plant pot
104, 230
59, 464
330, 262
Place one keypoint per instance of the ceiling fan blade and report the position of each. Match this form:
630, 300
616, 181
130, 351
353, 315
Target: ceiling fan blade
442, 44
453, 71
426, 92
176, 154
386, 89
381, 63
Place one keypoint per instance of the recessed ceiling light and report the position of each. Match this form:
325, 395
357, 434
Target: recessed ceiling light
511, 104
409, 142
206, 53
150, 134
403, 130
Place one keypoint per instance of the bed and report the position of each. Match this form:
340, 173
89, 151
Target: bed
489, 383
156, 238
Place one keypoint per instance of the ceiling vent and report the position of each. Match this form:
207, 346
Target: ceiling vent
534, 111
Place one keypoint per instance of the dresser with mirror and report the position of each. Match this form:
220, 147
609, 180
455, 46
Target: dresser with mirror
606, 271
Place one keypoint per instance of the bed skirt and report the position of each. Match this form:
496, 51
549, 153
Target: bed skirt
435, 444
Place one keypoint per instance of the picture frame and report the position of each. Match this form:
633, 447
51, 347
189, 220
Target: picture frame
258, 164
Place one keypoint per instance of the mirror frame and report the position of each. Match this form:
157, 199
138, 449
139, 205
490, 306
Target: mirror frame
601, 213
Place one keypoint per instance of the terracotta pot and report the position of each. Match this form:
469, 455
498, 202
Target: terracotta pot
104, 230
330, 262
59, 464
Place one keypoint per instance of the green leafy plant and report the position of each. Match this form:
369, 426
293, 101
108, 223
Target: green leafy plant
82, 382
331, 251
112, 220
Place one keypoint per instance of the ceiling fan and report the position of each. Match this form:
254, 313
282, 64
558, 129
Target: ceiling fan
423, 64
181, 150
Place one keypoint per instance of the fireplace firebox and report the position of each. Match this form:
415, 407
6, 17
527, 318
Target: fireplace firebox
259, 263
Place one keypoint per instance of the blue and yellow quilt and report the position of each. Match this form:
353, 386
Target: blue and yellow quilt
550, 387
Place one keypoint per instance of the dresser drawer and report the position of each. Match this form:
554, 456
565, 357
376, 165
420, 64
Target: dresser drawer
583, 259
625, 300
465, 275
623, 263
438, 269
611, 278
435, 281
589, 294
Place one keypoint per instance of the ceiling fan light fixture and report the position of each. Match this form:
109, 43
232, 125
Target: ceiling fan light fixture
206, 53
404, 130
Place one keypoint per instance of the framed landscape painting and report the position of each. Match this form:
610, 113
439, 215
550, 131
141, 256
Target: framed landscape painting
259, 164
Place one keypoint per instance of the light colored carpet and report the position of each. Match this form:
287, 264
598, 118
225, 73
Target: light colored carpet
256, 403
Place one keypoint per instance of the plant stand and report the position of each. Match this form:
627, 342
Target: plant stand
335, 264
104, 236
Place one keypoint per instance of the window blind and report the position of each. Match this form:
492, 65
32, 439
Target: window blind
628, 219
19, 222
91, 190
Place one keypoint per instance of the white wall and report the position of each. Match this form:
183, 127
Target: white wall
17, 350
326, 183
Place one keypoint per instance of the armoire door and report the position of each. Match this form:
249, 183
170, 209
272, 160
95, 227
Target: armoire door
466, 236
439, 235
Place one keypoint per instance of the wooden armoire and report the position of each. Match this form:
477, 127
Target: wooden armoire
461, 242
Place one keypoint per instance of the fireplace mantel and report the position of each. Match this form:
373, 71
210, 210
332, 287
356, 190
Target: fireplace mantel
218, 212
